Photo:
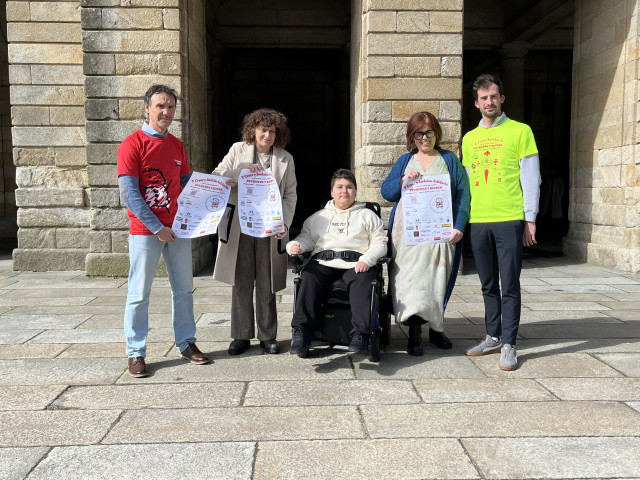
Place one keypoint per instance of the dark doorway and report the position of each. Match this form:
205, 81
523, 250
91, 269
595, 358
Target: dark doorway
311, 87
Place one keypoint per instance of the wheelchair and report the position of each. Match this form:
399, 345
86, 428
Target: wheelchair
334, 324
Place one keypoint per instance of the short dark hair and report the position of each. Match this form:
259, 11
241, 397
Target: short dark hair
484, 81
413, 125
154, 89
345, 174
266, 117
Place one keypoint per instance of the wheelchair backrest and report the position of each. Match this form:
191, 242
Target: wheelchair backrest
373, 206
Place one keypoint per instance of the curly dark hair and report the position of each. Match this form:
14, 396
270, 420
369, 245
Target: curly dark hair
266, 117
154, 89
414, 123
485, 81
343, 173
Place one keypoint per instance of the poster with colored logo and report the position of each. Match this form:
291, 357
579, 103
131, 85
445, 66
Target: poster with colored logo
201, 205
260, 204
427, 214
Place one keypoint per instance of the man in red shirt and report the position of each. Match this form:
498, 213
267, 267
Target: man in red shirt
152, 169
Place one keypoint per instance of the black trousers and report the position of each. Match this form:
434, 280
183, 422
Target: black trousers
497, 251
314, 286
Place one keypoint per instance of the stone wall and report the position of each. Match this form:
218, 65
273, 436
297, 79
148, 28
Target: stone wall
48, 134
411, 60
605, 175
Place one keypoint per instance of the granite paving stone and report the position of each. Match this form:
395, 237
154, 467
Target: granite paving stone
131, 397
634, 405
585, 330
619, 389
568, 306
45, 302
555, 458
539, 365
562, 290
215, 461
526, 419
584, 345
59, 427
110, 350
64, 371
79, 335
330, 392
22, 397
9, 337
617, 305
403, 366
38, 322
247, 368
236, 424
16, 463
360, 460
457, 390
626, 363
11, 352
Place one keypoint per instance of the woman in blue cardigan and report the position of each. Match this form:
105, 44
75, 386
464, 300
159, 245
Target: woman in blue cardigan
421, 277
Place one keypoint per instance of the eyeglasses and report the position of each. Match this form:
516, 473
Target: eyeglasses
421, 135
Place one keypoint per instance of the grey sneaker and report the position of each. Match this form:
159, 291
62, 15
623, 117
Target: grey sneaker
508, 358
485, 347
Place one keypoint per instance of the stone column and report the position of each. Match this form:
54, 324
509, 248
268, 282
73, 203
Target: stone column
47, 112
605, 166
411, 60
513, 79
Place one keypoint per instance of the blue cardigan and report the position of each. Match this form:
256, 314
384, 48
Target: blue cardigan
392, 187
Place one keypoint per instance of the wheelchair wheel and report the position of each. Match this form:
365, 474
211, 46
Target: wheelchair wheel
385, 323
374, 346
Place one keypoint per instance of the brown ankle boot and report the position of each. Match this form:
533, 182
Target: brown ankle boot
414, 346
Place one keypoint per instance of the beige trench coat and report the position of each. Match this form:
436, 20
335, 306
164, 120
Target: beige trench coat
240, 156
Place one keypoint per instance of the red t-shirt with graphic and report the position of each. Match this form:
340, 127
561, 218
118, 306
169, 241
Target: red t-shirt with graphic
157, 163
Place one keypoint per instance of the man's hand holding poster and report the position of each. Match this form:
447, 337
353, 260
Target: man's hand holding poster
426, 202
260, 204
201, 205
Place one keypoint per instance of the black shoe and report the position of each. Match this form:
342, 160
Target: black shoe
359, 342
414, 345
270, 346
238, 346
440, 340
300, 343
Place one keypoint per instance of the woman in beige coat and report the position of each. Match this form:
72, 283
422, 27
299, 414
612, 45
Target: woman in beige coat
243, 260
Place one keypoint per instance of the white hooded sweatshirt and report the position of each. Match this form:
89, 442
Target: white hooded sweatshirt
356, 228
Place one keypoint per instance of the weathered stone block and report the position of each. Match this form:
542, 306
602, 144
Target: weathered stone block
57, 75
104, 197
380, 154
169, 64
27, 53
380, 22
171, 18
400, 44
49, 197
43, 260
451, 67
451, 22
50, 177
628, 260
134, 87
48, 136
109, 219
383, 133
69, 157
417, 66
381, 66
132, 41
412, 22
99, 64
415, 5
19, 74
120, 241
132, 18
91, 18
55, 11
36, 238
46, 95
402, 110
136, 64
451, 111
72, 238
54, 217
67, 115
132, 109
100, 3
101, 108
23, 157
377, 112
29, 115
451, 132
107, 264
116, 131
102, 153
154, 3
18, 11
413, 89
44, 32
102, 175
100, 242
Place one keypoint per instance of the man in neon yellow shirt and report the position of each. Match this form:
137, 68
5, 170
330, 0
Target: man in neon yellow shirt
501, 158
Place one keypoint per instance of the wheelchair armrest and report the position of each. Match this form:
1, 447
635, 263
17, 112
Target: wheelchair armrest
299, 261
383, 260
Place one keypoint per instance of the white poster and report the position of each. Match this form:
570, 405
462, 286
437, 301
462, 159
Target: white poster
201, 205
426, 204
260, 204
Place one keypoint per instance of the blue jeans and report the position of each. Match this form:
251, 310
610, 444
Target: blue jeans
144, 254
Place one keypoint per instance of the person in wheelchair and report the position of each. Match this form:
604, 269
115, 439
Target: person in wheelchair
345, 239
